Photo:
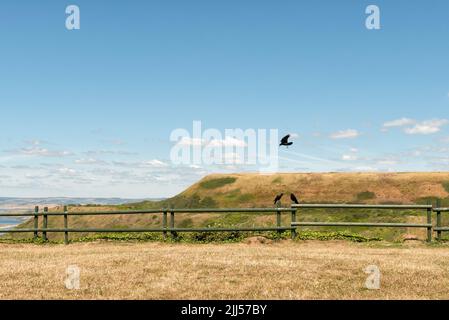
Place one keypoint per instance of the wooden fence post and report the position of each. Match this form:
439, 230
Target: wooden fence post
429, 221
36, 222
66, 226
45, 224
172, 223
293, 231
278, 217
164, 223
439, 220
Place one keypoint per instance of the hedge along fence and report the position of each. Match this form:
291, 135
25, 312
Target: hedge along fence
427, 208
168, 225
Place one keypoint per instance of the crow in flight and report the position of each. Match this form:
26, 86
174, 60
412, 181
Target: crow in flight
278, 197
294, 199
285, 142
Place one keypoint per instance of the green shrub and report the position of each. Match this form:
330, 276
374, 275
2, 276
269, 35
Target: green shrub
186, 223
217, 183
365, 195
337, 235
246, 197
277, 180
445, 185
208, 202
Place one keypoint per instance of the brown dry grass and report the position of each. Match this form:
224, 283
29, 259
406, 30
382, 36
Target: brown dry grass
284, 270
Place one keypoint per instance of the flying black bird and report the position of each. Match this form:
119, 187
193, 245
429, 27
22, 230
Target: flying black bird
278, 197
293, 198
285, 142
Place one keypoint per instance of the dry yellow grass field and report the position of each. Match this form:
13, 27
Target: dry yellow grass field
281, 270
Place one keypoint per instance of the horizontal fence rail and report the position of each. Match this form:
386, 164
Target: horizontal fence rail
168, 220
427, 225
362, 224
362, 206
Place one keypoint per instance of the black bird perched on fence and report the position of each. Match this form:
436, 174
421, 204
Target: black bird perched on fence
285, 142
278, 197
293, 198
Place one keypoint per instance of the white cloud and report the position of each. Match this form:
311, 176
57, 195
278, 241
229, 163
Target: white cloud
294, 135
143, 164
109, 152
387, 162
42, 152
89, 161
354, 150
117, 142
427, 127
345, 134
348, 157
187, 141
399, 123
154, 163
68, 171
34, 142
415, 127
227, 142
365, 169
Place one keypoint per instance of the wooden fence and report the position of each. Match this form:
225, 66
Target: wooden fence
167, 226
168, 220
427, 208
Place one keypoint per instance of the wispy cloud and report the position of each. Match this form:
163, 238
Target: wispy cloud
187, 141
90, 161
34, 142
364, 169
154, 163
399, 123
412, 126
345, 134
116, 142
226, 142
349, 157
67, 171
41, 152
427, 127
91, 153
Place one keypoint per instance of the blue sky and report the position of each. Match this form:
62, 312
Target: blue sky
89, 112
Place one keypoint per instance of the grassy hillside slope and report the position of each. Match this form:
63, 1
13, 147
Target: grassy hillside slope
255, 190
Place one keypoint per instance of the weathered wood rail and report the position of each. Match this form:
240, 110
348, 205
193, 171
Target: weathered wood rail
428, 208
167, 226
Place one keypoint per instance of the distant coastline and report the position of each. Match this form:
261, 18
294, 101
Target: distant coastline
22, 205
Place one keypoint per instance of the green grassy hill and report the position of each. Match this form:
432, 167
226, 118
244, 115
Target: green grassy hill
255, 190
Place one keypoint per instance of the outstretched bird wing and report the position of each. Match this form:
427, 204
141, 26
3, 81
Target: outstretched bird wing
284, 140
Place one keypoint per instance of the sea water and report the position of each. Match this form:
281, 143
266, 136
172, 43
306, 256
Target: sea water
9, 221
